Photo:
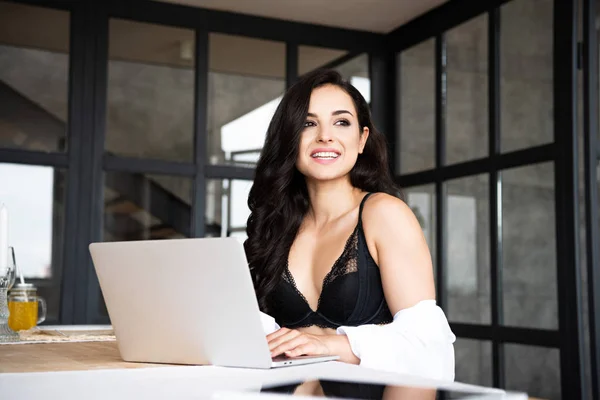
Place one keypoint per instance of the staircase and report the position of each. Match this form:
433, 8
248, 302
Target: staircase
135, 206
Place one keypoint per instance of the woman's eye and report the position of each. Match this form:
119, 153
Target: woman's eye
309, 123
342, 122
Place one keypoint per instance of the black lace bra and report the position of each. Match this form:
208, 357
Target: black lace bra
352, 293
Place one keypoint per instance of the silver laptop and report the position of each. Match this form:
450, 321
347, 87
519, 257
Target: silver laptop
185, 301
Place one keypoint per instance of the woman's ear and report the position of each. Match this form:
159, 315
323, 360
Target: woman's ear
363, 140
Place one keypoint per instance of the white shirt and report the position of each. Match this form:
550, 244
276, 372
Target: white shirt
419, 342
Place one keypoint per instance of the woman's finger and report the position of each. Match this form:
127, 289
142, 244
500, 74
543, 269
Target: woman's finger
277, 333
283, 338
289, 345
308, 349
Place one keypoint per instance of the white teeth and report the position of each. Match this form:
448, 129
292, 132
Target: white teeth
325, 154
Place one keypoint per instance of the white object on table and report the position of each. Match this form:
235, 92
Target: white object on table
77, 328
3, 238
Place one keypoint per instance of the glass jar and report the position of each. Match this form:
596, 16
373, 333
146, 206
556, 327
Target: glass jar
23, 304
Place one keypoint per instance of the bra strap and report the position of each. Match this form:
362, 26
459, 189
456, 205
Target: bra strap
362, 205
363, 273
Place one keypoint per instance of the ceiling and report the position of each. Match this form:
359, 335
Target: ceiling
380, 16
46, 29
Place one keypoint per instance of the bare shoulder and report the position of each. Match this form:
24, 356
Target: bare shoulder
389, 224
383, 209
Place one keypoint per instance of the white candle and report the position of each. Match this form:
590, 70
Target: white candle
3, 238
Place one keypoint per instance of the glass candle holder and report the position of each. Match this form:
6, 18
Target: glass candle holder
7, 280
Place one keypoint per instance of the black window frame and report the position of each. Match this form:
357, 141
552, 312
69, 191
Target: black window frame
568, 338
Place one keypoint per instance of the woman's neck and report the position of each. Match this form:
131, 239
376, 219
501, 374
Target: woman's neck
330, 200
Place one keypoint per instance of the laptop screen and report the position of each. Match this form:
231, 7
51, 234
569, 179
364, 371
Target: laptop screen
351, 390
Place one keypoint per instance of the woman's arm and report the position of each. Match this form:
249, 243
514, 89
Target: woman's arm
419, 340
396, 242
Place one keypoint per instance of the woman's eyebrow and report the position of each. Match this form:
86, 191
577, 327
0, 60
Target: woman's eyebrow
337, 112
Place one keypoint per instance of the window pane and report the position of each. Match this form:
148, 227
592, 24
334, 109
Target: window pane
417, 108
598, 72
311, 58
526, 80
34, 73
150, 91
529, 247
468, 249
533, 370
582, 238
141, 207
467, 94
35, 198
473, 360
356, 71
245, 84
421, 199
227, 207
145, 207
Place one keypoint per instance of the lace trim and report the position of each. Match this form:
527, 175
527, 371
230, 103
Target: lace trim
346, 263
383, 320
322, 326
288, 277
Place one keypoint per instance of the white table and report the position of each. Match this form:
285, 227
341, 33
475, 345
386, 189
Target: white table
94, 371
193, 382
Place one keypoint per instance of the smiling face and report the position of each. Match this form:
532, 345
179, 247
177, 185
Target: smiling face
332, 138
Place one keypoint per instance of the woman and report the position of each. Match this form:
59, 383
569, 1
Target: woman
337, 258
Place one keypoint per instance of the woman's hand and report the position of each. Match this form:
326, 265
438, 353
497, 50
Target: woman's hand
294, 343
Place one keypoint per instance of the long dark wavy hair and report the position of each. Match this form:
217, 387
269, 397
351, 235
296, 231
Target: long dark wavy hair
279, 200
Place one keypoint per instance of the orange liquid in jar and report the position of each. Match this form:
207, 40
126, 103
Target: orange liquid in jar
23, 315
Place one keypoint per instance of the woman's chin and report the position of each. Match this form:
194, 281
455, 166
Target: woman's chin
326, 176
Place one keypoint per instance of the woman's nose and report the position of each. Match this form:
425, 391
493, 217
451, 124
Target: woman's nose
324, 136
